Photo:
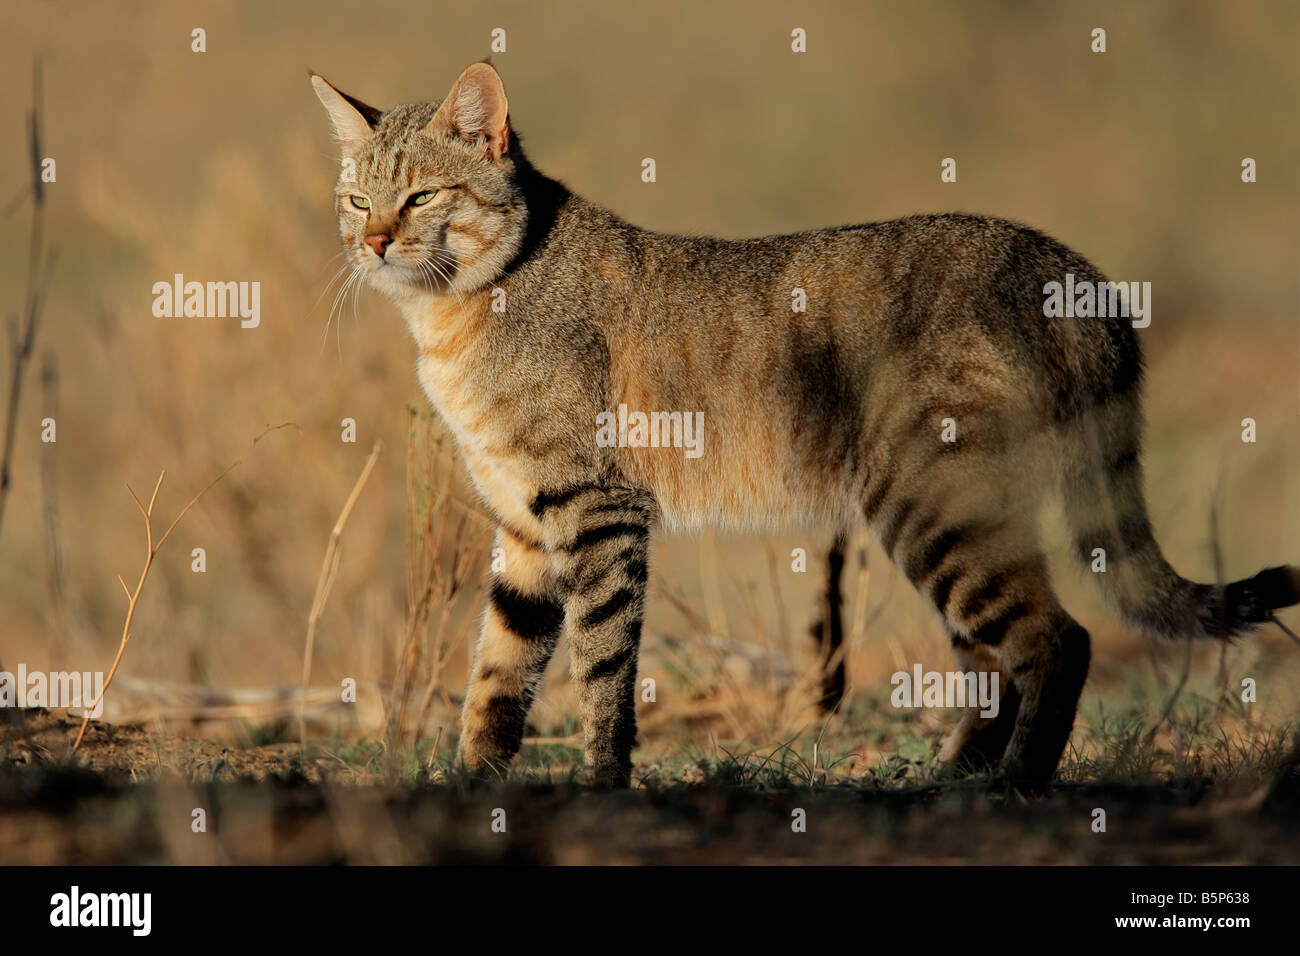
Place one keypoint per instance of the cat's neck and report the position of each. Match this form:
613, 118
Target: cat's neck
561, 227
439, 321
545, 198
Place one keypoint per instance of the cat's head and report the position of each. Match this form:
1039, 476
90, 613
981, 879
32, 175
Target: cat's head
428, 197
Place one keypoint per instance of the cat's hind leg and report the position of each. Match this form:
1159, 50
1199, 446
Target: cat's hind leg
979, 740
961, 523
828, 632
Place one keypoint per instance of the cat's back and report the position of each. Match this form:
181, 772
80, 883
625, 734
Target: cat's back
919, 255
954, 243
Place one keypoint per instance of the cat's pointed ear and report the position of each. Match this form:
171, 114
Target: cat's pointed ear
352, 119
476, 110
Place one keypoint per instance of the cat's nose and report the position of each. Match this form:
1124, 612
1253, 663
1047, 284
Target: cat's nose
379, 242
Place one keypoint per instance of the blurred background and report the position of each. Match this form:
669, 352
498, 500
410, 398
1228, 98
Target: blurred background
219, 165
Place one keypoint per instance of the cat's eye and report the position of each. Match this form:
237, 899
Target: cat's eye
419, 199
361, 202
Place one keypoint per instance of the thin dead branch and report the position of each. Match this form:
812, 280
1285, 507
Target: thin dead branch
325, 581
22, 337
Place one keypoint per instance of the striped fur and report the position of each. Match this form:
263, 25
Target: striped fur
818, 419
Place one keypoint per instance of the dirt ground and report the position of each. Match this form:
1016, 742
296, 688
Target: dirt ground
135, 798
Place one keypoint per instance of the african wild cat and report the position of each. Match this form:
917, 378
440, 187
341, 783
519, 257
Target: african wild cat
815, 419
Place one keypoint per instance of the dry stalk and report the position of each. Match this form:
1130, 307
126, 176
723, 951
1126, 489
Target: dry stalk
325, 581
778, 598
39, 265
50, 500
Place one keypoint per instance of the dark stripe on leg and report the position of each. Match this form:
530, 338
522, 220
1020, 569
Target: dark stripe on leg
992, 632
942, 589
989, 590
877, 497
636, 571
553, 499
604, 532
610, 665
924, 562
531, 618
612, 605
618, 508
992, 587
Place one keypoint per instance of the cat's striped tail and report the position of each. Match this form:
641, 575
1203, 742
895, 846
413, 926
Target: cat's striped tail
1107, 513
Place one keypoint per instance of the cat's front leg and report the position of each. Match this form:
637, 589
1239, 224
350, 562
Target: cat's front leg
520, 629
600, 545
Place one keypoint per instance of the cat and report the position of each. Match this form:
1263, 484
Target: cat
921, 391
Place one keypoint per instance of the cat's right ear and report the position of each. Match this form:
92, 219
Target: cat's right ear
352, 119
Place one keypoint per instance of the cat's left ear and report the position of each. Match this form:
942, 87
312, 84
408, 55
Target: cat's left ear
476, 110
352, 119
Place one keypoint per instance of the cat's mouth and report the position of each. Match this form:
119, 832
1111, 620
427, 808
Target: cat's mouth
409, 274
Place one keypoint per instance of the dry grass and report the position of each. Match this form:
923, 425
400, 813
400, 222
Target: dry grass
444, 553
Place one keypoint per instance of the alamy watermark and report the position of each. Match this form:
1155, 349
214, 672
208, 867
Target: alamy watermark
950, 689
212, 300
130, 910
53, 689
626, 429
1088, 299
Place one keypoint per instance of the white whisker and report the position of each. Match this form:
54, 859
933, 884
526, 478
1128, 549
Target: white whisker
339, 298
437, 266
324, 292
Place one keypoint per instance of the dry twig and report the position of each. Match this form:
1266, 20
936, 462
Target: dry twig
328, 569
39, 265
152, 548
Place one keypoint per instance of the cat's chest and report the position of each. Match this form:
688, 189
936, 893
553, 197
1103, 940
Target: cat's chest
462, 377
466, 405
